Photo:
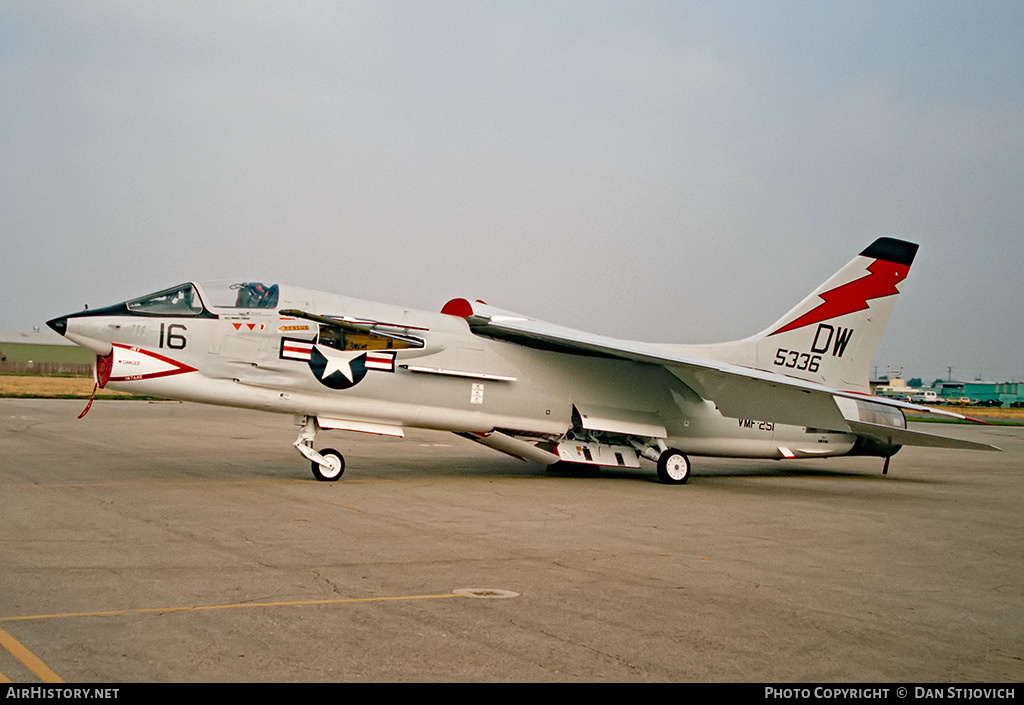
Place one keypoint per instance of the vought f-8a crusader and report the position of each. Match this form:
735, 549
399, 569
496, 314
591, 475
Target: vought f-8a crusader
534, 390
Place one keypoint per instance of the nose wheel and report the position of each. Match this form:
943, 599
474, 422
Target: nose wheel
331, 467
328, 464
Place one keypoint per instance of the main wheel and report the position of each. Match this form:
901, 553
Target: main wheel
673, 467
334, 467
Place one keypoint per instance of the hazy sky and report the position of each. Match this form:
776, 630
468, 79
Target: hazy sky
664, 171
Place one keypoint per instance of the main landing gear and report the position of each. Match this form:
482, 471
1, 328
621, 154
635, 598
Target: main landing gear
673, 467
328, 465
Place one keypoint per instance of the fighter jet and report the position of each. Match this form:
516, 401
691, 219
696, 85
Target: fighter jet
534, 390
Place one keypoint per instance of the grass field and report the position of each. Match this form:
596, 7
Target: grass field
985, 413
40, 352
53, 387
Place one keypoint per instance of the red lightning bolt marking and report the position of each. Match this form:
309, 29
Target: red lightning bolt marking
853, 296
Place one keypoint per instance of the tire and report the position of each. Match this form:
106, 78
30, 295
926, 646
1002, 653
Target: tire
334, 471
673, 467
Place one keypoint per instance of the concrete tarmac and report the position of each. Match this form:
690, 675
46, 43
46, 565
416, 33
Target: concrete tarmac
170, 542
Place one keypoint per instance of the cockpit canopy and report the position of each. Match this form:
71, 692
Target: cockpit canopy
189, 299
228, 294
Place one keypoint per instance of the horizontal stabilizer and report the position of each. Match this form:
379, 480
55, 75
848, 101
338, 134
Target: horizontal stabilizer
906, 437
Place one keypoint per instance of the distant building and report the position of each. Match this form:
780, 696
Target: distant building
955, 392
891, 387
1006, 392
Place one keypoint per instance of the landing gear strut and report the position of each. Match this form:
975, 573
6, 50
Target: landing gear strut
328, 465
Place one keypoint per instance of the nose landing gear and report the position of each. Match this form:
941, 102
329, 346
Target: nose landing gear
328, 465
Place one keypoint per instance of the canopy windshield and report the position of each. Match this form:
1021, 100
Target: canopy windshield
176, 301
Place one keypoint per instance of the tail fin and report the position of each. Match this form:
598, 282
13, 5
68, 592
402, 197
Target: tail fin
832, 335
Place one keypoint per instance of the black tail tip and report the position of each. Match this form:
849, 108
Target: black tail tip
891, 250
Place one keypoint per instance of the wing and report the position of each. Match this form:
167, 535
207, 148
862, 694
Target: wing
737, 391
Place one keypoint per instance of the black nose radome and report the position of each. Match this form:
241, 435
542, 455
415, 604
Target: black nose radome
59, 324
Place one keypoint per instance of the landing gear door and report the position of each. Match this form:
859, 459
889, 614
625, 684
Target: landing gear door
626, 422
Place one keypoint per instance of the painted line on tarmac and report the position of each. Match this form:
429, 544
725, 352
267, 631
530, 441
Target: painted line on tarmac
30, 660
461, 593
153, 483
